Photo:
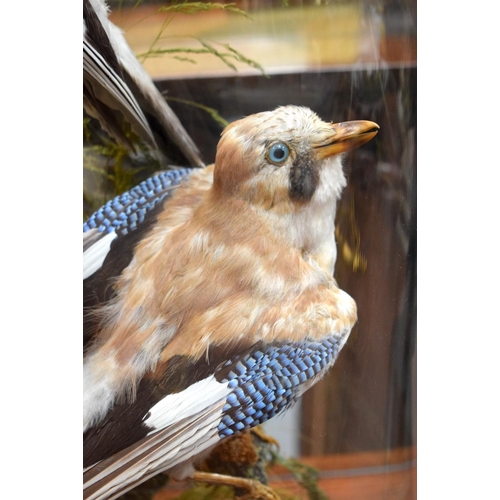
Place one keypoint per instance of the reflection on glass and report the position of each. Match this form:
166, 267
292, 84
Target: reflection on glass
346, 60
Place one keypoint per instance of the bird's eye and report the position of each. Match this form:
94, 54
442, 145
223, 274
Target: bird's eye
278, 153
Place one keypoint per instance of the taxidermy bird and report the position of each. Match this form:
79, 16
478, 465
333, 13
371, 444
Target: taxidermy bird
117, 91
210, 298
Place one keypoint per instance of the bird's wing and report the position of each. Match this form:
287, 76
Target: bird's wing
130, 212
182, 413
114, 80
151, 99
106, 92
106, 96
111, 233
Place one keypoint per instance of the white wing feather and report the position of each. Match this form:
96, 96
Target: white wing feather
183, 425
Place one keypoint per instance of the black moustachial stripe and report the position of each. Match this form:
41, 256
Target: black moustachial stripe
303, 178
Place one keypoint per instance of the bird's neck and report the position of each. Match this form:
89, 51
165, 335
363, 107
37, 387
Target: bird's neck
306, 228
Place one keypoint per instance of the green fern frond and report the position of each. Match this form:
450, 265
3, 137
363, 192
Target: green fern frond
211, 111
209, 49
161, 52
220, 55
185, 59
241, 58
194, 7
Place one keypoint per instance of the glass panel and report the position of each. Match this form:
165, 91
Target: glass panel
346, 60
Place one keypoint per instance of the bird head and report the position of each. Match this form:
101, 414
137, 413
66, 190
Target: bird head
284, 159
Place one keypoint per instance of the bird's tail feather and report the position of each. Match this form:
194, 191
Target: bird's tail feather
157, 452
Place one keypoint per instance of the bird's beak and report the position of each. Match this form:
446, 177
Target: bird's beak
346, 136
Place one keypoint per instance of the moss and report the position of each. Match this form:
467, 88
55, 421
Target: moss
110, 168
305, 475
204, 492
